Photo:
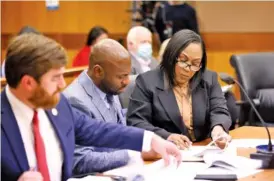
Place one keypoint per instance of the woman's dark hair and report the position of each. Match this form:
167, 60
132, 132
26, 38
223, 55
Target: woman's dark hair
178, 42
94, 33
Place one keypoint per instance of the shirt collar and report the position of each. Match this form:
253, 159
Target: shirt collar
18, 107
101, 93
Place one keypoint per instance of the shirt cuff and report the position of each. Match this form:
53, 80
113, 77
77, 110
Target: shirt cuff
134, 157
147, 141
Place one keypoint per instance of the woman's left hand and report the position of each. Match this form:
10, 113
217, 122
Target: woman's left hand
220, 137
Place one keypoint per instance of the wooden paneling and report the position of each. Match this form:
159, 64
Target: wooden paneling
72, 42
71, 17
69, 75
219, 61
68, 40
247, 42
215, 42
3, 54
235, 16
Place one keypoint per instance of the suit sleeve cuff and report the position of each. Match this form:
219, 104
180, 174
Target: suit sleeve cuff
163, 133
147, 141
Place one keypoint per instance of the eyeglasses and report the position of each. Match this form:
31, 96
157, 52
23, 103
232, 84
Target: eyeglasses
185, 65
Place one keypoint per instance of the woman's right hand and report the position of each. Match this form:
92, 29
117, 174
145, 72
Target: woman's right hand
181, 141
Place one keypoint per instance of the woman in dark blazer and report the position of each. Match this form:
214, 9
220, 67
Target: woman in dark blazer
181, 100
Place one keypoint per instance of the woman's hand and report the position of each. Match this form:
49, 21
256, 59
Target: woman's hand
181, 141
220, 137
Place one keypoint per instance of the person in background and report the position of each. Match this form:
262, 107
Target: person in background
181, 101
162, 49
95, 35
39, 128
25, 29
173, 16
139, 45
95, 92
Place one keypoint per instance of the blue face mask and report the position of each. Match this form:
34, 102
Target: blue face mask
145, 51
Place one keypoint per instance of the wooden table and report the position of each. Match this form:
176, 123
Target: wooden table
249, 132
253, 132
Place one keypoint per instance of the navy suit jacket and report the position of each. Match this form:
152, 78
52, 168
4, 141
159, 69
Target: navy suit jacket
71, 127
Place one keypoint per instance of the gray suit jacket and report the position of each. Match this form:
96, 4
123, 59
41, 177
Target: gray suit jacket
136, 66
82, 96
153, 106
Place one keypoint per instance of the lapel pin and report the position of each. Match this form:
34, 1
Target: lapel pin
54, 112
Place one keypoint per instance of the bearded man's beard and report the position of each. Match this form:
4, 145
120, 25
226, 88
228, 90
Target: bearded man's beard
41, 98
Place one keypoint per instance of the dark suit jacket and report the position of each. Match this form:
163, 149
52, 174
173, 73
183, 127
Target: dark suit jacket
153, 106
71, 127
181, 17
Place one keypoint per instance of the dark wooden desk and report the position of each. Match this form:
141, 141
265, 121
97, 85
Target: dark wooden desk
249, 132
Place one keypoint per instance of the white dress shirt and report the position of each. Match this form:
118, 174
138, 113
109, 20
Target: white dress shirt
54, 154
24, 116
103, 95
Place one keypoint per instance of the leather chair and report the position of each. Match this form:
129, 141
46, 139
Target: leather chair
255, 72
124, 97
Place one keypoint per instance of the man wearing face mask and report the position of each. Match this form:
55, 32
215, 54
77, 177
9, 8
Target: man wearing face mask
139, 44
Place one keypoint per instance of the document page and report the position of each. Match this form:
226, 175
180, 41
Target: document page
232, 162
196, 153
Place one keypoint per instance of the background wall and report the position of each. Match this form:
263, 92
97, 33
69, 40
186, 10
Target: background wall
227, 27
71, 17
235, 27
69, 25
236, 16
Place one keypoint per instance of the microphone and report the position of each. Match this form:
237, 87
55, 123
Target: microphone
265, 155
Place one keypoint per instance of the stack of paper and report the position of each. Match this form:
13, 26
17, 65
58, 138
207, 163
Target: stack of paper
196, 160
196, 153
